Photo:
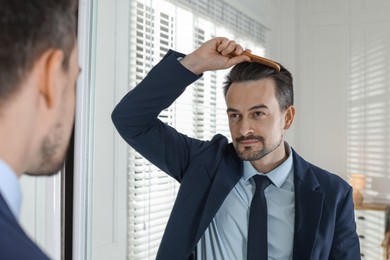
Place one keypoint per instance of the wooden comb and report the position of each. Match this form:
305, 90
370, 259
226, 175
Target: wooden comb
262, 60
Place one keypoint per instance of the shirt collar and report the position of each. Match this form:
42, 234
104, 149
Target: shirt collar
10, 188
278, 175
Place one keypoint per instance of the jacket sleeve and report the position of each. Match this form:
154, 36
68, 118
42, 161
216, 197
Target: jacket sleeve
345, 241
136, 117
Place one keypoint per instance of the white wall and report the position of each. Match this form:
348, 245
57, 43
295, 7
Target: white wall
323, 38
100, 227
330, 37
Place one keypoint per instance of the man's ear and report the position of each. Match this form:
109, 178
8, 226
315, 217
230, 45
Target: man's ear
50, 64
289, 117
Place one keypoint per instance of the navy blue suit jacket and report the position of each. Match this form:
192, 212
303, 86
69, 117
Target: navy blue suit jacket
14, 243
208, 170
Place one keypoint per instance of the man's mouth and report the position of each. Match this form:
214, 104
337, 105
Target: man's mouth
251, 138
248, 142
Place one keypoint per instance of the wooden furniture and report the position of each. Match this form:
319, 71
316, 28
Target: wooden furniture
386, 246
372, 222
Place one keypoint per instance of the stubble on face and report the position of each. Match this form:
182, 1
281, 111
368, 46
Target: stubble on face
249, 153
52, 153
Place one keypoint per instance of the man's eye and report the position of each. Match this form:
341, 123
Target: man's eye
234, 116
258, 114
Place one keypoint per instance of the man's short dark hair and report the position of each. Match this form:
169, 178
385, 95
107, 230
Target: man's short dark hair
255, 71
27, 30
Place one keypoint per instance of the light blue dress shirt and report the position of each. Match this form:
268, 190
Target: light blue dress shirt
10, 188
226, 236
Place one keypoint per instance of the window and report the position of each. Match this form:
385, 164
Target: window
156, 27
369, 112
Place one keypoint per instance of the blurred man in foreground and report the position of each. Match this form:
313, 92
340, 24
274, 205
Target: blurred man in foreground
38, 71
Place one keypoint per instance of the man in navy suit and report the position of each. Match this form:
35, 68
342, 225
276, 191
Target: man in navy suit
38, 71
309, 210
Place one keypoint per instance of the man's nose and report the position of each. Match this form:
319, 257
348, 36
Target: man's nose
246, 128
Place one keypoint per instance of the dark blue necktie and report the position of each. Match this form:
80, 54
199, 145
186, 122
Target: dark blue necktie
257, 228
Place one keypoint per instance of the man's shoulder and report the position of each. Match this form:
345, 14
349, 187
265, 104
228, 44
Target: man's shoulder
324, 177
14, 243
212, 152
218, 145
221, 144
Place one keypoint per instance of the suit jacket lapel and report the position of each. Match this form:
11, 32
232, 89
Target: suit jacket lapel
308, 208
227, 175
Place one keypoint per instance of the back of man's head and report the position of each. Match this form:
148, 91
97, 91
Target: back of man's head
27, 30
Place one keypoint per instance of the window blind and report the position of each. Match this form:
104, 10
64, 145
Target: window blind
155, 27
368, 147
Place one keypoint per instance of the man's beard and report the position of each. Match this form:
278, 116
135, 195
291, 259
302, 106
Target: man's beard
51, 155
251, 155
